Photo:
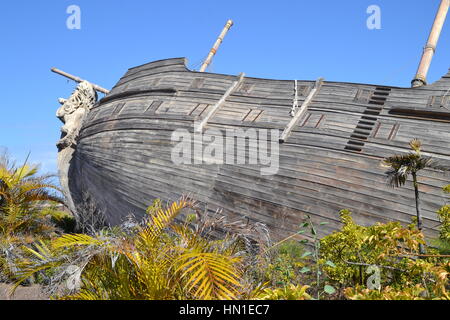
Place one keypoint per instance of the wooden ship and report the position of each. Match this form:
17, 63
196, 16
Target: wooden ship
333, 137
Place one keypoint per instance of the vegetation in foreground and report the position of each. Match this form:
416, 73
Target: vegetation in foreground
175, 252
28, 211
165, 259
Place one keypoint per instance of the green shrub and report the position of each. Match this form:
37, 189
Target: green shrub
394, 250
23, 198
355, 247
284, 264
158, 260
290, 292
61, 219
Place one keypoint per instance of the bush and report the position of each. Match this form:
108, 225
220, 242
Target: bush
393, 249
443, 242
444, 216
281, 267
26, 212
158, 260
355, 247
23, 198
290, 292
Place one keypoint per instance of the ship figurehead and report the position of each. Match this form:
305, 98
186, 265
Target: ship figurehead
72, 113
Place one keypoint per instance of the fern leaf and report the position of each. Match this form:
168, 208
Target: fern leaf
161, 220
71, 240
209, 275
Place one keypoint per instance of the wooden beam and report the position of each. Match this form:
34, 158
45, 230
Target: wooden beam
77, 79
215, 108
287, 132
216, 46
421, 77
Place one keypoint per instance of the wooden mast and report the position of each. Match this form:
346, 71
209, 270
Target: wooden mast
216, 46
77, 79
429, 50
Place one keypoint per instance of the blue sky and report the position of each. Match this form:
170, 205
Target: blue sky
283, 39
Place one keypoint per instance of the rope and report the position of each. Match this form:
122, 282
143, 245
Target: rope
295, 103
398, 70
443, 99
198, 63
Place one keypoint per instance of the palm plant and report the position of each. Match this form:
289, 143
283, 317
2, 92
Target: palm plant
157, 260
22, 194
405, 165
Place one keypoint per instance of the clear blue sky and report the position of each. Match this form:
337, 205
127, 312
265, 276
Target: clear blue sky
282, 39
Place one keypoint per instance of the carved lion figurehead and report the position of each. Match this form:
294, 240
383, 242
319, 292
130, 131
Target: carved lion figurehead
84, 97
72, 113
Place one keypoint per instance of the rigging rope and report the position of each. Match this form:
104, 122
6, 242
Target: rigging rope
443, 99
295, 103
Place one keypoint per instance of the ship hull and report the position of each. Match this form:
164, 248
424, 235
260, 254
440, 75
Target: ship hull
330, 161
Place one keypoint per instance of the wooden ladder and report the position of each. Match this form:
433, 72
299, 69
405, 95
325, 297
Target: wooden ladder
368, 121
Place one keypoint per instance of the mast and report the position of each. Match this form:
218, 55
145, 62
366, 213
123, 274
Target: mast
429, 50
216, 46
79, 80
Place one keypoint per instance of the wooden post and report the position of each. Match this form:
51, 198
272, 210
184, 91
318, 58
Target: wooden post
287, 132
216, 46
77, 79
429, 50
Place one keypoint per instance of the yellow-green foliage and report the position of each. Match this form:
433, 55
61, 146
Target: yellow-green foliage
447, 189
443, 242
290, 292
434, 285
381, 244
283, 265
393, 249
25, 214
23, 194
61, 219
160, 260
359, 293
444, 216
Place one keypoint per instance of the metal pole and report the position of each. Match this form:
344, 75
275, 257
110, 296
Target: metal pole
77, 79
216, 46
429, 50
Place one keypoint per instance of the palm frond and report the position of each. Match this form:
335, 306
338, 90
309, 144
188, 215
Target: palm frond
397, 177
85, 295
45, 260
22, 193
188, 237
416, 145
30, 186
162, 219
210, 275
24, 172
72, 240
401, 166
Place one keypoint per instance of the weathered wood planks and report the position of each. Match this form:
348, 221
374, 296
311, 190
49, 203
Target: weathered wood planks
124, 160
